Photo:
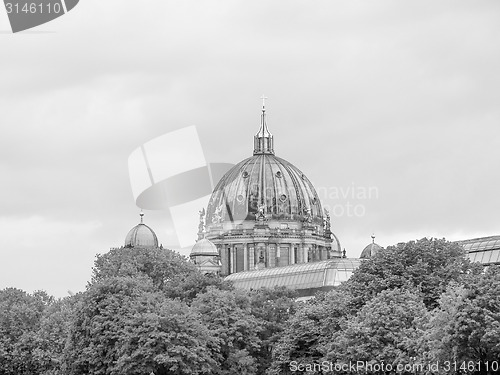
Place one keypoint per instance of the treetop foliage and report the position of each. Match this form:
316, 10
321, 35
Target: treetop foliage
150, 310
427, 264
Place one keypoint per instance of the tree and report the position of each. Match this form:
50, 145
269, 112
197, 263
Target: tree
227, 314
159, 265
168, 271
170, 340
429, 265
20, 315
385, 330
309, 330
50, 339
186, 286
466, 325
124, 325
273, 308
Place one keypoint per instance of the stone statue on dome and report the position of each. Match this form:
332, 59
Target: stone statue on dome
202, 220
308, 217
327, 221
217, 217
261, 214
201, 225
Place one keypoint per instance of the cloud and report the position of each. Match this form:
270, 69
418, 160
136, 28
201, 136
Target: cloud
44, 253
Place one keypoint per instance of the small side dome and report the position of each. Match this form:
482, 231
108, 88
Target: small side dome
141, 236
336, 244
370, 249
204, 247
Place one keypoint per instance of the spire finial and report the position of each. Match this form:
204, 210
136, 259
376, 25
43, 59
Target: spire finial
373, 237
142, 216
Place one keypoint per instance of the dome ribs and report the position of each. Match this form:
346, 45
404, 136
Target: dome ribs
265, 180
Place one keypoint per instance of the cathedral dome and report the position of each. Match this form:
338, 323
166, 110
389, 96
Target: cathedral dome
264, 187
265, 213
264, 184
370, 249
141, 236
204, 247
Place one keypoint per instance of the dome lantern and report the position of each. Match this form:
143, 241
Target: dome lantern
263, 140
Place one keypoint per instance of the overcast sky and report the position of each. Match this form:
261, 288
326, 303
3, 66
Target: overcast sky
399, 100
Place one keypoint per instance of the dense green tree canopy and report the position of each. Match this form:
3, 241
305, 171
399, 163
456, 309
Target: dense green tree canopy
168, 271
20, 317
385, 330
380, 313
230, 321
273, 308
429, 265
159, 265
466, 325
150, 310
124, 326
309, 330
186, 286
50, 340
